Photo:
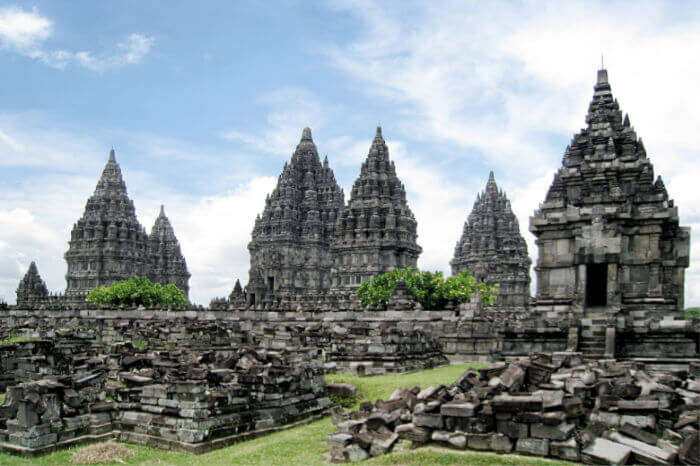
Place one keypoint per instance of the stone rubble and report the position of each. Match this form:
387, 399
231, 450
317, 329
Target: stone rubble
599, 412
189, 398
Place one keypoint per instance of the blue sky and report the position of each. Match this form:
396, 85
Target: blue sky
204, 103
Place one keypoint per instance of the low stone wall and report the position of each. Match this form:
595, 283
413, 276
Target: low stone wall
468, 333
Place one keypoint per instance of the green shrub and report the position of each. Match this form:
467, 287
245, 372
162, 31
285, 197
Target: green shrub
692, 313
138, 291
430, 289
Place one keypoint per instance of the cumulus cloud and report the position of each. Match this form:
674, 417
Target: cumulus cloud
23, 29
26, 33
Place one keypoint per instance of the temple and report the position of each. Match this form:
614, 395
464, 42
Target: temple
167, 262
610, 244
32, 289
289, 250
492, 248
109, 244
376, 231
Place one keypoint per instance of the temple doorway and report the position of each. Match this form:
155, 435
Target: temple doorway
596, 285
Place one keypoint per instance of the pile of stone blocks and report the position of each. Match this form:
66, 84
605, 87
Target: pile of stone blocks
188, 399
42, 415
367, 349
200, 401
35, 358
603, 412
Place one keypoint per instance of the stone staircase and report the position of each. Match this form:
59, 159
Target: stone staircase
592, 339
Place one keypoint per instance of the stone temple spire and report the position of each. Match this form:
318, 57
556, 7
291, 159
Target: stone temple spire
289, 250
492, 248
608, 234
32, 289
107, 243
167, 262
376, 231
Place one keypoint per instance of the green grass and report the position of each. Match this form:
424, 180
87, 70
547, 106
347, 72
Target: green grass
372, 388
305, 445
692, 312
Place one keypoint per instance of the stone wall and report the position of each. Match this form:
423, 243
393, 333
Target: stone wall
467, 333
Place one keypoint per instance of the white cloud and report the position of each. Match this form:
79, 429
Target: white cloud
290, 110
25, 32
23, 29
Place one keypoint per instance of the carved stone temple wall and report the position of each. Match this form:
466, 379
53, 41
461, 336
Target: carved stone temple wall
108, 243
611, 249
376, 231
492, 248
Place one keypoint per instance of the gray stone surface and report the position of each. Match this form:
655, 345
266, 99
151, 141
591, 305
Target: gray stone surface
532, 446
607, 452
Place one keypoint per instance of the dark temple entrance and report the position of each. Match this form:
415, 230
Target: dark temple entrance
596, 285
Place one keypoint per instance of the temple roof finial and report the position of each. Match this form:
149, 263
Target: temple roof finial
162, 210
491, 177
379, 132
111, 155
306, 134
602, 76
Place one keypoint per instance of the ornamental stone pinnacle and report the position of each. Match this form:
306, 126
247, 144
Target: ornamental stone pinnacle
492, 248
289, 250
376, 232
608, 235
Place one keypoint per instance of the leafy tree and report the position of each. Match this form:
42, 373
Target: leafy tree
692, 313
431, 289
137, 291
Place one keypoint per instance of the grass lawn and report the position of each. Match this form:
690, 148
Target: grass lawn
305, 445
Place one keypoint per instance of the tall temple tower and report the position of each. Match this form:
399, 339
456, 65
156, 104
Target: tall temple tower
492, 248
168, 265
376, 232
289, 250
608, 235
109, 244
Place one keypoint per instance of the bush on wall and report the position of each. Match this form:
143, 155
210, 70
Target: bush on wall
430, 289
692, 313
138, 291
